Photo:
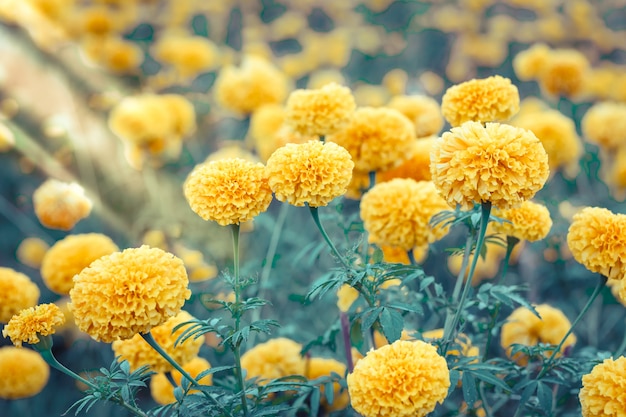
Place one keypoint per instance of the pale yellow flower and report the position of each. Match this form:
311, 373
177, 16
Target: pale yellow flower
602, 393
23, 373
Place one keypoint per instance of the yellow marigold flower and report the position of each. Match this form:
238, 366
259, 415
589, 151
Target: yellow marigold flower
182, 113
564, 72
314, 173
320, 111
31, 251
602, 393
228, 191
423, 111
530, 221
497, 163
7, 139
529, 63
395, 81
605, 124
30, 323
431, 82
394, 254
17, 292
128, 292
377, 138
255, 83
401, 380
189, 55
275, 358
416, 166
23, 373
265, 122
618, 289
492, 99
162, 390
139, 353
359, 184
71, 255
369, 95
596, 240
398, 213
523, 327
346, 296
319, 367
60, 205
141, 119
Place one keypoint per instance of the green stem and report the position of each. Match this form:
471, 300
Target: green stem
318, 223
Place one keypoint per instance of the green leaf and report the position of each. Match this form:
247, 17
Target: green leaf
544, 395
377, 256
470, 393
315, 401
392, 323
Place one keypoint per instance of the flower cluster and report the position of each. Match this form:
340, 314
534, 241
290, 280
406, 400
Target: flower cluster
23, 373
60, 205
530, 221
17, 292
603, 394
30, 323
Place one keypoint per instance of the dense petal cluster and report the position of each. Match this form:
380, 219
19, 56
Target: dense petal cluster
17, 292
492, 99
401, 379
162, 390
30, 323
398, 213
128, 292
604, 389
275, 358
320, 367
60, 205
423, 111
416, 166
23, 373
605, 124
530, 221
228, 191
313, 172
497, 163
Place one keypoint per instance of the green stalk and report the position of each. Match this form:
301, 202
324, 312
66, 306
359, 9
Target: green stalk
318, 223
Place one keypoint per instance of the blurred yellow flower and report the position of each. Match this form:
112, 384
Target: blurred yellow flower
17, 292
346, 296
23, 373
31, 251
275, 358
162, 390
464, 342
30, 323
395, 81
604, 124
530, 221
423, 111
602, 393
564, 72
529, 63
113, 53
416, 166
319, 367
60, 205
230, 151
188, 55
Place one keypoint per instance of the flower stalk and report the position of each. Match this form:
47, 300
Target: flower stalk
318, 223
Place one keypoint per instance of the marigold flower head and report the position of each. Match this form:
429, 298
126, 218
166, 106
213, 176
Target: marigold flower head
320, 111
313, 172
401, 379
162, 390
377, 138
23, 373
128, 292
189, 55
564, 72
597, 240
265, 122
228, 191
492, 99
396, 81
423, 111
17, 292
398, 213
359, 184
529, 63
7, 140
30, 323
523, 327
605, 124
182, 113
497, 163
618, 289
602, 393
319, 367
416, 166
31, 251
275, 358
530, 221
60, 205
71, 255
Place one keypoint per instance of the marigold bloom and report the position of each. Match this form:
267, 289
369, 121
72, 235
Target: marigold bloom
128, 292
142, 120
416, 166
319, 367
30, 323
71, 255
17, 292
23, 373
605, 124
139, 353
602, 393
492, 99
359, 184
189, 55
377, 138
314, 173
182, 113
530, 221
162, 390
401, 380
564, 72
275, 358
597, 240
228, 191
497, 163
321, 111
60, 205
423, 111
528, 64
31, 251
523, 327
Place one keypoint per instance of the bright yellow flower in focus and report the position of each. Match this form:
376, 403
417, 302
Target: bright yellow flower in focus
128, 292
314, 173
319, 367
423, 111
30, 323
497, 163
162, 390
228, 191
416, 167
530, 221
602, 393
492, 99
31, 251
564, 72
398, 213
60, 205
524, 328
17, 292
320, 111
275, 358
404, 379
604, 124
23, 373
71, 255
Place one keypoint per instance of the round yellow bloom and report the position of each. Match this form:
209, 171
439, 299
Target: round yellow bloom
71, 255
275, 358
564, 72
189, 55
605, 124
60, 205
523, 327
423, 111
228, 191
319, 367
30, 323
404, 379
182, 112
377, 138
529, 63
314, 173
497, 163
31, 251
162, 390
398, 213
142, 120
416, 167
128, 292
492, 99
265, 122
139, 353
597, 239
23, 373
321, 111
17, 292
602, 393
530, 221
